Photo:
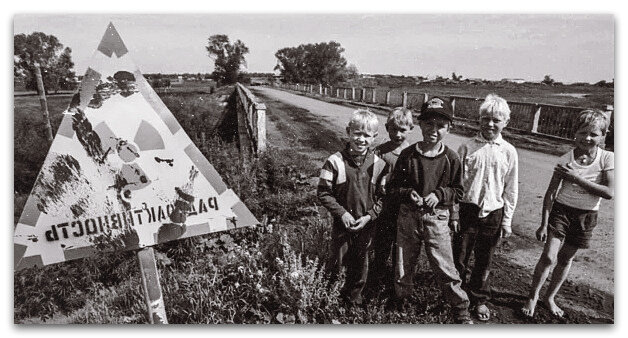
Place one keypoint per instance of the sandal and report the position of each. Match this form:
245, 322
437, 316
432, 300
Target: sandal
483, 313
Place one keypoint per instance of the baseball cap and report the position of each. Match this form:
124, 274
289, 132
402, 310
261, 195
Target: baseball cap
436, 106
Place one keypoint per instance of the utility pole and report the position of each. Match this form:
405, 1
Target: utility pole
43, 103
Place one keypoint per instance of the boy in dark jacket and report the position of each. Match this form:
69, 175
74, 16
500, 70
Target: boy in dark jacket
426, 182
398, 125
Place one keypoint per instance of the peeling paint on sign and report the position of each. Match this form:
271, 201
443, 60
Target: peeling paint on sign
121, 173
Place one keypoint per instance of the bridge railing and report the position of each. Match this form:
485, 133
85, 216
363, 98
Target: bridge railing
253, 114
554, 121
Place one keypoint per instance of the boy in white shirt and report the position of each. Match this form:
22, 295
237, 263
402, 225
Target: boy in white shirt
581, 179
489, 176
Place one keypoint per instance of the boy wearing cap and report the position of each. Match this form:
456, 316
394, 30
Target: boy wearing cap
426, 182
490, 171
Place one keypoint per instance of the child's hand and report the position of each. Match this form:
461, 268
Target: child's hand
347, 220
360, 223
431, 200
567, 172
454, 226
541, 233
505, 232
416, 198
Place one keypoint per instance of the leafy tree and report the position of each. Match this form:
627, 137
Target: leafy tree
351, 72
547, 79
603, 83
456, 77
312, 63
228, 58
161, 83
45, 51
291, 63
63, 71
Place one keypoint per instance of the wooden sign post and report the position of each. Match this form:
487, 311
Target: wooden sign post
43, 103
152, 287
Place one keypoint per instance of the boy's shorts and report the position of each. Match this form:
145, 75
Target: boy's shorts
573, 225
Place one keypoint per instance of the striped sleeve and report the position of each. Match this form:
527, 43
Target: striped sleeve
332, 174
380, 175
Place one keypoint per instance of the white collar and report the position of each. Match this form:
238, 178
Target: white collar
441, 149
498, 140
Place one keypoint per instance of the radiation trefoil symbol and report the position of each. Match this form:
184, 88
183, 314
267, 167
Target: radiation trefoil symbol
102, 142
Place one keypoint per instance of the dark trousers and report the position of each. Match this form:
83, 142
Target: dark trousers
479, 236
383, 240
350, 250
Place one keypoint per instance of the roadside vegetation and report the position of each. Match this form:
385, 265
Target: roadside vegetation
272, 274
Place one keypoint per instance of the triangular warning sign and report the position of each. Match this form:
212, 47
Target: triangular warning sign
121, 173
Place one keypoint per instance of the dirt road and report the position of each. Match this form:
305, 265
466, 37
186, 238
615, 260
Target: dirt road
317, 128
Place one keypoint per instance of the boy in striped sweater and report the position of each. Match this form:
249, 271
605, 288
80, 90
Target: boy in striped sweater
350, 187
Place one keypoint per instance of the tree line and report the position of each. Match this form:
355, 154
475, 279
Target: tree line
307, 63
311, 63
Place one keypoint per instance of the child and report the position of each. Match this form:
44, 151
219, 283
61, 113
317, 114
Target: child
426, 182
398, 125
489, 177
350, 186
581, 179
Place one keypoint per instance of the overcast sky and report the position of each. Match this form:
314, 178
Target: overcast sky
570, 48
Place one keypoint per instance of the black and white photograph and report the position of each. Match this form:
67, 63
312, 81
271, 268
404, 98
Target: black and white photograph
314, 168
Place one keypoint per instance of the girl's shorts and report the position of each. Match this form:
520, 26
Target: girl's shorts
573, 225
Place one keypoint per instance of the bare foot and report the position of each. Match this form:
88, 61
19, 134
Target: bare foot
528, 308
554, 309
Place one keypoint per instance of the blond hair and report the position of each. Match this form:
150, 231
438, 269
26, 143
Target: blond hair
364, 118
495, 104
590, 117
401, 117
